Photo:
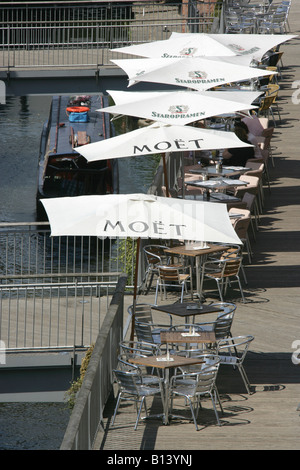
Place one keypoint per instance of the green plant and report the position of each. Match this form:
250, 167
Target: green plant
76, 384
127, 255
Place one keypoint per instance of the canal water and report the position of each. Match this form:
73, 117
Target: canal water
39, 426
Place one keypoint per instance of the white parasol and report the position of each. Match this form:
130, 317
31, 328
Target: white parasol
140, 216
158, 138
248, 47
199, 73
180, 107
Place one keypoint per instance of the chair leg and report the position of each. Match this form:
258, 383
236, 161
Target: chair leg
218, 398
245, 378
215, 409
241, 289
252, 228
193, 414
244, 274
147, 289
156, 292
116, 409
139, 412
220, 290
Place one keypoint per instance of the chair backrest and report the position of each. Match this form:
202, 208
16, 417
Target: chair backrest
203, 377
272, 59
255, 124
222, 328
154, 254
232, 266
231, 252
266, 102
241, 226
130, 349
124, 365
127, 380
206, 377
227, 309
249, 200
267, 133
143, 312
255, 166
271, 89
251, 187
242, 212
143, 332
235, 347
168, 274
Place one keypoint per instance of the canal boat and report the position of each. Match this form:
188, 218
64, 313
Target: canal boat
62, 171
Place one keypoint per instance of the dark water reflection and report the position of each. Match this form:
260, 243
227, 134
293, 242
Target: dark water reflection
32, 426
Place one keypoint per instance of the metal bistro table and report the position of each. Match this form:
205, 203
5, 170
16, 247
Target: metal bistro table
187, 309
181, 337
213, 171
217, 183
197, 254
215, 197
165, 363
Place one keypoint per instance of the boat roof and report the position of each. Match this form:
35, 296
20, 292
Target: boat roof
97, 128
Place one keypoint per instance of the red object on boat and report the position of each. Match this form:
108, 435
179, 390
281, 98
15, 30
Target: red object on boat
78, 109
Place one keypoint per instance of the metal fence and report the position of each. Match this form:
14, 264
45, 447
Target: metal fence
52, 315
28, 252
54, 291
77, 35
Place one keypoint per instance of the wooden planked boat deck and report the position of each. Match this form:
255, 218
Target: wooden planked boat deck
268, 419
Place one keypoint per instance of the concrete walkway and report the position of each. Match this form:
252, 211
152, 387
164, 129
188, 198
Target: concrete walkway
267, 419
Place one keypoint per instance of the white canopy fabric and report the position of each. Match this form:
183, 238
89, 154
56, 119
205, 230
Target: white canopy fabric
158, 138
140, 216
183, 45
180, 107
246, 47
199, 73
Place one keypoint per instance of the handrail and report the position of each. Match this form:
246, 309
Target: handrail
87, 415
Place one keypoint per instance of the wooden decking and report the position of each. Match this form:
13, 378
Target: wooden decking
268, 419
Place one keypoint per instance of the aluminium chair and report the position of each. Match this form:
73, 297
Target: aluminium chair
221, 326
132, 388
274, 23
252, 187
267, 149
235, 23
257, 169
265, 107
273, 90
232, 351
130, 350
193, 386
169, 276
143, 313
249, 201
241, 226
224, 271
155, 256
148, 332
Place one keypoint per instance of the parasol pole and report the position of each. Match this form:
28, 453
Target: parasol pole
138, 243
166, 175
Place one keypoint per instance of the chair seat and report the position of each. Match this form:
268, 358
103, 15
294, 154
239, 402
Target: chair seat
183, 277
